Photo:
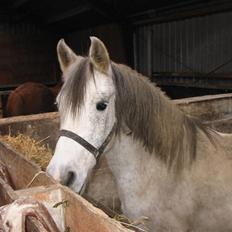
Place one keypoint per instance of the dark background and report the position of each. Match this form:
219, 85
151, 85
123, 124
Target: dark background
185, 46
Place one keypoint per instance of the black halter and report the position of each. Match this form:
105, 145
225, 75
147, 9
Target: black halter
96, 152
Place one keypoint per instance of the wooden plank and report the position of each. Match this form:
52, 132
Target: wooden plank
197, 82
75, 212
7, 194
208, 108
90, 219
22, 171
38, 126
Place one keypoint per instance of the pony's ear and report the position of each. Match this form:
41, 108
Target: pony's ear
99, 55
65, 55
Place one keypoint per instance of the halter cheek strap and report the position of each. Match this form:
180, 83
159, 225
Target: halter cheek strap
96, 152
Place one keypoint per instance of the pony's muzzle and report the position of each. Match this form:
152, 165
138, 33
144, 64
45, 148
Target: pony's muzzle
63, 176
69, 178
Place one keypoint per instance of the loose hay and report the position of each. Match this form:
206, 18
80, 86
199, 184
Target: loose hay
30, 148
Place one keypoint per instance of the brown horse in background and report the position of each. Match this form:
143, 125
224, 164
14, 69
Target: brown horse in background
30, 98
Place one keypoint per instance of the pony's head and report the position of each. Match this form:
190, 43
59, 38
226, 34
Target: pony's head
86, 105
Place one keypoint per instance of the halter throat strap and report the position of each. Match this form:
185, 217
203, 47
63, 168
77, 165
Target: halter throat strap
97, 152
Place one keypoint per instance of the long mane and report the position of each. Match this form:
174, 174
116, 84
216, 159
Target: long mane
155, 121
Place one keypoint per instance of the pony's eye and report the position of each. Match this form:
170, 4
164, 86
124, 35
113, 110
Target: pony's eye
101, 106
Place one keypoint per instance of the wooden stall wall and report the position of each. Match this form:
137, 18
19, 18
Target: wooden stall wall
27, 53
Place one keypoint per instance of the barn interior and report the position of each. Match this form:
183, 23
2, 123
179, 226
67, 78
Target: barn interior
182, 45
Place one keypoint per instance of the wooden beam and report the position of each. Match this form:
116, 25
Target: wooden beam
19, 3
207, 82
171, 13
68, 14
105, 10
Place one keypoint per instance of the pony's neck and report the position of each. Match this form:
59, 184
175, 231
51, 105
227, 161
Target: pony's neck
160, 127
134, 170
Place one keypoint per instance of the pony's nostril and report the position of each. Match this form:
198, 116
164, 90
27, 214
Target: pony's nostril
70, 178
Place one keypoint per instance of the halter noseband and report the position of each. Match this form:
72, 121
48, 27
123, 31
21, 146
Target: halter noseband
96, 152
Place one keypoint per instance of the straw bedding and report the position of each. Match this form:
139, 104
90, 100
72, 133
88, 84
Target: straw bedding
33, 150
